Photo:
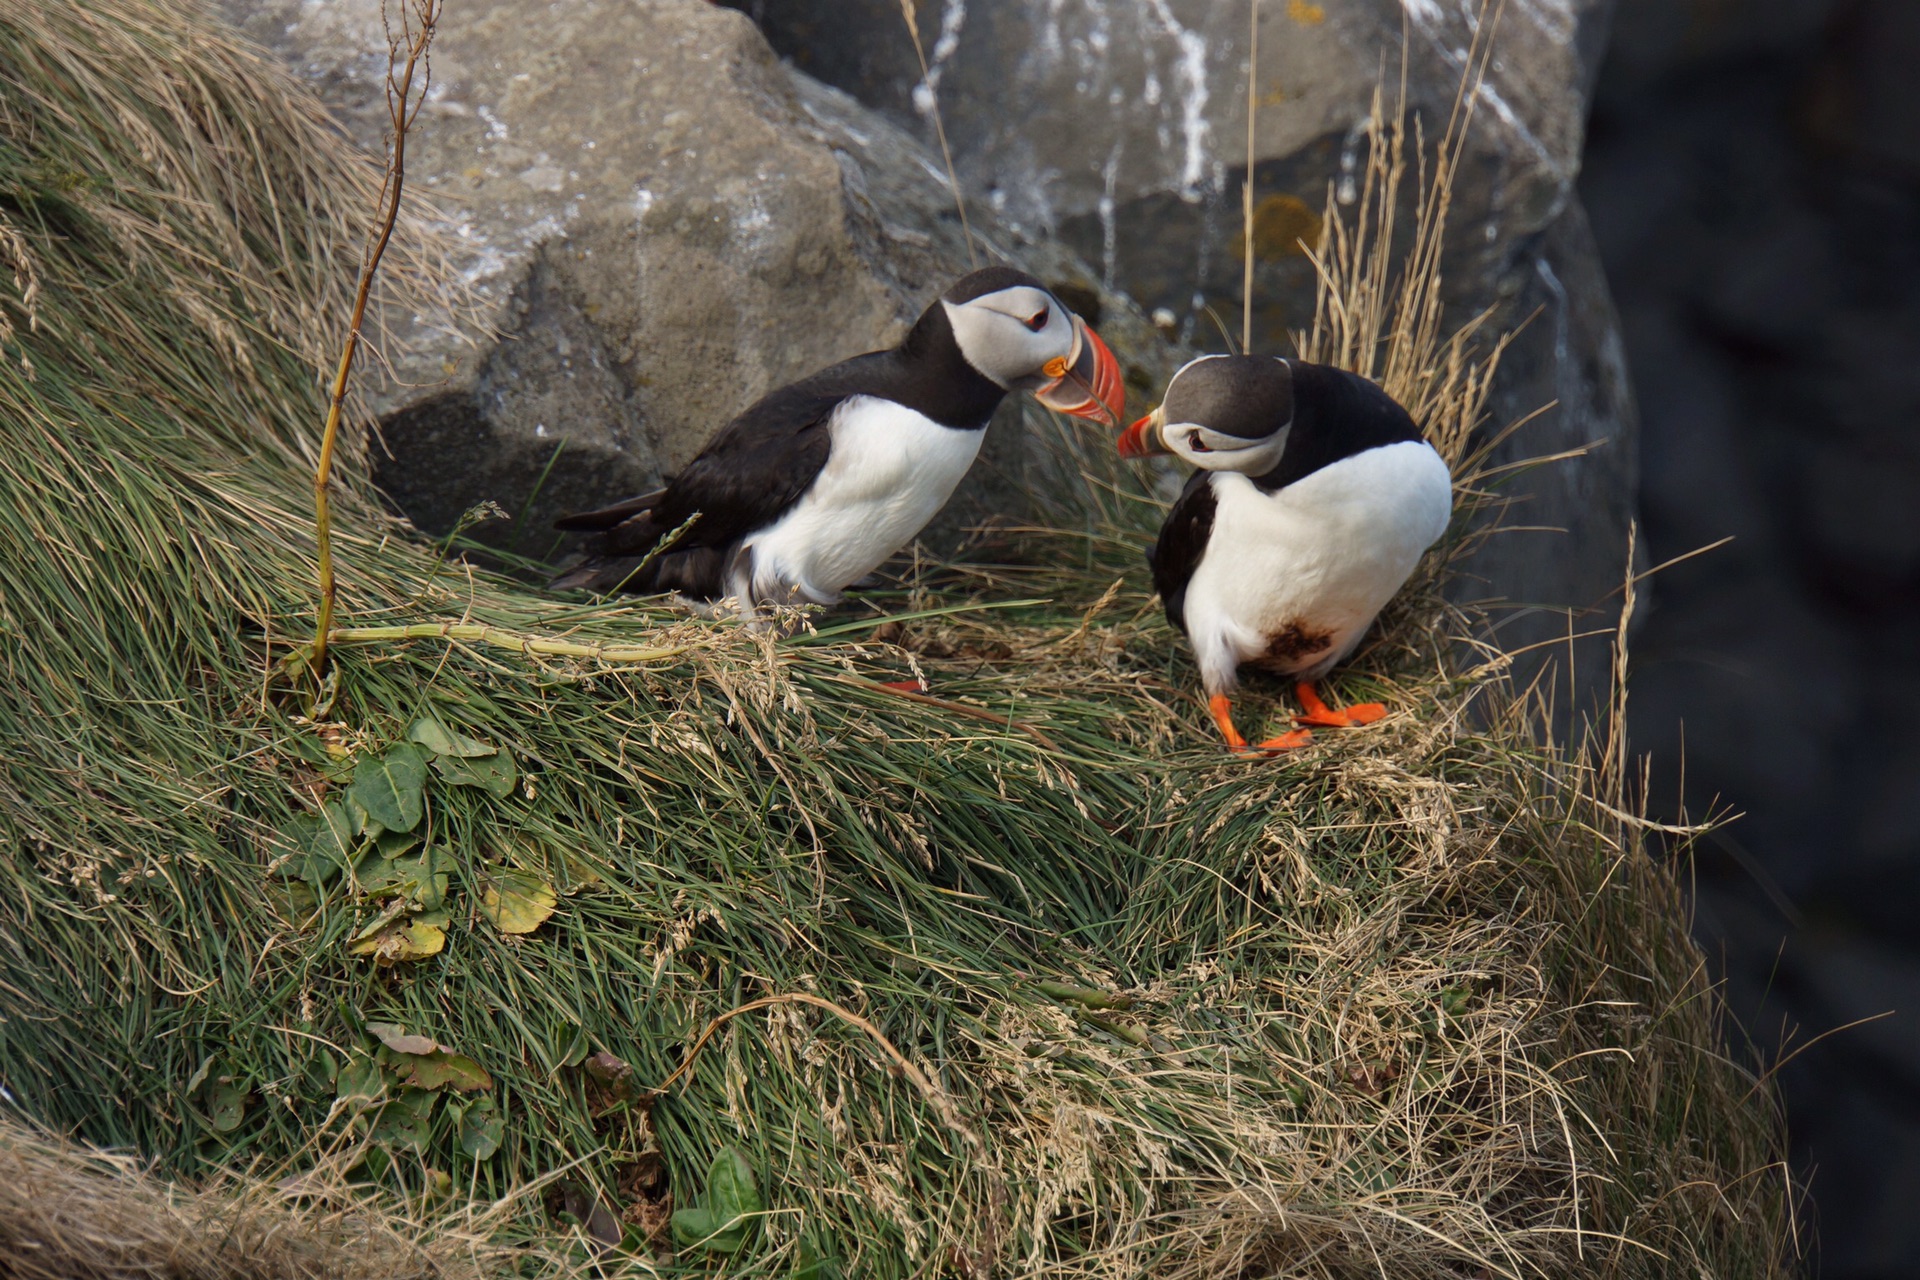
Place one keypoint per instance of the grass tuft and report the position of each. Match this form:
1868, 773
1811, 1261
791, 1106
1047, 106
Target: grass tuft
1043, 985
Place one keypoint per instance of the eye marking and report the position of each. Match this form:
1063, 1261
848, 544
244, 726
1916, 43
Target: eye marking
1195, 443
1037, 321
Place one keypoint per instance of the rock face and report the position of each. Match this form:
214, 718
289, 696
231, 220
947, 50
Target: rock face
659, 224
1121, 129
1754, 181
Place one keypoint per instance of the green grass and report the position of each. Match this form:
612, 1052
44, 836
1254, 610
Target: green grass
1412, 1000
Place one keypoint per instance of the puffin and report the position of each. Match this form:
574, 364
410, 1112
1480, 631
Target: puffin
1315, 497
816, 484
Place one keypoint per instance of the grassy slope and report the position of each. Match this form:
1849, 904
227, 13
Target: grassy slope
1411, 999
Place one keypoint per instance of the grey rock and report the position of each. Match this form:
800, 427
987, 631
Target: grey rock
659, 223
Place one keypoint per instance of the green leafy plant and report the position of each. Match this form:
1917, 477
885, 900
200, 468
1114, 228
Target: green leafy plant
733, 1202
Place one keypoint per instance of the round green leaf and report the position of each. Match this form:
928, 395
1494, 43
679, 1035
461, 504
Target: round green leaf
361, 1082
481, 1130
226, 1104
406, 1121
391, 787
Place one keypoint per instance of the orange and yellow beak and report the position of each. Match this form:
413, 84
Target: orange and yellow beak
1143, 439
1086, 383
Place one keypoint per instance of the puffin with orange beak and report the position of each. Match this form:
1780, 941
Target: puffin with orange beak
1315, 498
812, 487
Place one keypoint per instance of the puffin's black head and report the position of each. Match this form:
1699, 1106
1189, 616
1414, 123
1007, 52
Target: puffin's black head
1010, 329
1223, 413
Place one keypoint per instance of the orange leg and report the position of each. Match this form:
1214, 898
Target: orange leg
1316, 712
1222, 710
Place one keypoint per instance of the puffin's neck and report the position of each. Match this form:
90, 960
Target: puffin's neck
934, 379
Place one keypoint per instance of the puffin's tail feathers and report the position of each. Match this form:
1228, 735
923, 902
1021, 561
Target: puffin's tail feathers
608, 517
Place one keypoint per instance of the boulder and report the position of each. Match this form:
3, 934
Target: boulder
658, 223
1120, 128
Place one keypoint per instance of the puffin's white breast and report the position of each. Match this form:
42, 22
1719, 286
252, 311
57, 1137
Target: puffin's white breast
889, 471
1314, 562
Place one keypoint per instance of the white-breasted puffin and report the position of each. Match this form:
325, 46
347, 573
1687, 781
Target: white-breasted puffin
1316, 497
813, 486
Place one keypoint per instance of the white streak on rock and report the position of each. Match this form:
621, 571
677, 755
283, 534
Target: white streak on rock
1194, 129
953, 16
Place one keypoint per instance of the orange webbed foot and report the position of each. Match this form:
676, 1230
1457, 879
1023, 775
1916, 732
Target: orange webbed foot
1222, 710
905, 686
1315, 712
1288, 741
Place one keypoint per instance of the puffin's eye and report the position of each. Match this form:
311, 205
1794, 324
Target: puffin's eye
1037, 321
1195, 443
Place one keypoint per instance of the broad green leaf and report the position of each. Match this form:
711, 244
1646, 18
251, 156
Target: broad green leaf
392, 844
691, 1227
399, 1040
414, 938
363, 825
421, 880
732, 1194
442, 741
406, 1121
325, 841
199, 1076
481, 1130
226, 1104
493, 773
361, 1083
444, 1070
517, 903
733, 1200
391, 786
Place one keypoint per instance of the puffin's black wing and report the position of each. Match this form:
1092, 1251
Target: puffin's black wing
1182, 541
748, 475
607, 517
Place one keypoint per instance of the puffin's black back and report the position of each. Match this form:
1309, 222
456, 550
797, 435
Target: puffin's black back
762, 462
1336, 414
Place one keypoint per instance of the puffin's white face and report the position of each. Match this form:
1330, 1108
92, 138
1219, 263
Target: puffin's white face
1220, 413
1011, 335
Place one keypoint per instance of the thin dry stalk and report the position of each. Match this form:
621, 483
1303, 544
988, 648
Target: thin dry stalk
909, 10
418, 19
1246, 190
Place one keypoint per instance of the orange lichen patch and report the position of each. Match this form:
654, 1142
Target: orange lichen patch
1307, 15
1282, 227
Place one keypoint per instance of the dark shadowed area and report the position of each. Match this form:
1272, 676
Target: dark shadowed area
1753, 178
